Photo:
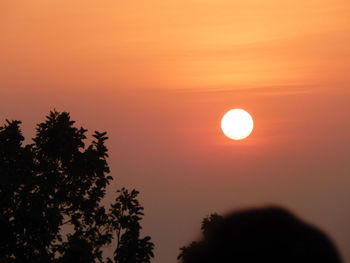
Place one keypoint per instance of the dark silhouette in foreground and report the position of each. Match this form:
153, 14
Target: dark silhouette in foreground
51, 199
261, 235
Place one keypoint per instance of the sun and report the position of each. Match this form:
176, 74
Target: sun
237, 124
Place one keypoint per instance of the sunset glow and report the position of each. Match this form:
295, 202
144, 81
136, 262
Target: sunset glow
168, 82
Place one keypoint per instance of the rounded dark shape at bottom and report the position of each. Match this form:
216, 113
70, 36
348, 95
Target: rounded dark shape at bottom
271, 235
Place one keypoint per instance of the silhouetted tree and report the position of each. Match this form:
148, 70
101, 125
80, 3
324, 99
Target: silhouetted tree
126, 214
50, 198
208, 226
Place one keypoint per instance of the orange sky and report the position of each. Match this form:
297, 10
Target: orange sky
159, 75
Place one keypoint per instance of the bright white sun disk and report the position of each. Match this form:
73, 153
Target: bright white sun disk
237, 124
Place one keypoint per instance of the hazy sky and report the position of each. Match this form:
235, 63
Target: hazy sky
159, 75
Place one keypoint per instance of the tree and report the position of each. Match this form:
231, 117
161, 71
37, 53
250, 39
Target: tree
208, 226
126, 214
50, 198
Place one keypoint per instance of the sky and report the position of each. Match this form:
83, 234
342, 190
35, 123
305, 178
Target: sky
158, 77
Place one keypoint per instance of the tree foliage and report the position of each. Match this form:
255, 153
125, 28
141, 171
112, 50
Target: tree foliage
208, 226
51, 195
